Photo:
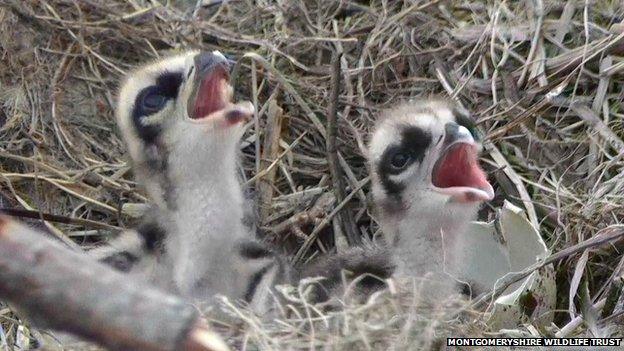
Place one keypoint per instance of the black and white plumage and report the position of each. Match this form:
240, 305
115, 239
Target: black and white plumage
426, 183
183, 134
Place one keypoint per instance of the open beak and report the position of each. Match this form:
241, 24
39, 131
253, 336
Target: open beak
211, 98
457, 173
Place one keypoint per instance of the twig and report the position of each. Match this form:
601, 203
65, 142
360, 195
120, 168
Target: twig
313, 215
67, 291
14, 212
290, 89
267, 170
306, 245
598, 124
538, 8
344, 220
270, 151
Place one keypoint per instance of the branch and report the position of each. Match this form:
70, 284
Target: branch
270, 151
345, 221
67, 291
15, 212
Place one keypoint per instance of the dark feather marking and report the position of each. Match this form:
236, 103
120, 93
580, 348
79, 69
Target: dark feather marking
157, 158
191, 70
414, 141
153, 235
167, 85
465, 289
256, 278
375, 262
168, 186
254, 250
121, 261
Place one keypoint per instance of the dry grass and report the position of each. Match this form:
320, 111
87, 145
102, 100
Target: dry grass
544, 79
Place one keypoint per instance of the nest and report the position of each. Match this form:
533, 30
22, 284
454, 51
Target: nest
542, 78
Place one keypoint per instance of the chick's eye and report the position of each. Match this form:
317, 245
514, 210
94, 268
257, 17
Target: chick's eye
153, 101
400, 160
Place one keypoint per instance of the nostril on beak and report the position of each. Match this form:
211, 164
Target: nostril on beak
455, 132
205, 60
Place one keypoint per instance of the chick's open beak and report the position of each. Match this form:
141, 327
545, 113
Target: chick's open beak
457, 173
211, 98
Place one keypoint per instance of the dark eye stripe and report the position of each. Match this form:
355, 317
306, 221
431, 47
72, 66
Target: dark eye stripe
417, 141
414, 142
167, 85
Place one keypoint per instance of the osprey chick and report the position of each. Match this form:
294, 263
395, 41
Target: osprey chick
183, 132
427, 184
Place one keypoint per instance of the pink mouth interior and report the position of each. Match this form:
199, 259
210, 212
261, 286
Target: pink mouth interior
459, 167
211, 93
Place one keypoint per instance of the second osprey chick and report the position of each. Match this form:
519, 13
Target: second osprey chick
427, 183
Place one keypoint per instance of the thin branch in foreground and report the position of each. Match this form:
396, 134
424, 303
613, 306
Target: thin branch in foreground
15, 212
67, 291
344, 219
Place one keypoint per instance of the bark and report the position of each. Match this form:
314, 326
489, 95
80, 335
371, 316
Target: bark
67, 291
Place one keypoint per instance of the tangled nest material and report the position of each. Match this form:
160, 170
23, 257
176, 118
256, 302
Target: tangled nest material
543, 78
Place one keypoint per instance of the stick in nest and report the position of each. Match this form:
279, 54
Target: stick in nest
344, 219
67, 291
